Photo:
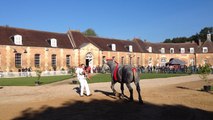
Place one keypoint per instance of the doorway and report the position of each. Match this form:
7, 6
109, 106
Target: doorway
89, 59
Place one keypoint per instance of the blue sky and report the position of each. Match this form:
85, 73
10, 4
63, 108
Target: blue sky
153, 20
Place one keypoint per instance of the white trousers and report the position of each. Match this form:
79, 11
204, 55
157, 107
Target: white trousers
84, 85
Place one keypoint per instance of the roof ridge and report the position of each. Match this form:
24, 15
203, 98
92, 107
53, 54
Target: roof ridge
31, 30
107, 38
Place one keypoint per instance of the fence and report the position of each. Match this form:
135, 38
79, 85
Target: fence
31, 74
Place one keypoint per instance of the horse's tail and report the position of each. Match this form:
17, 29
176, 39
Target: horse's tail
134, 73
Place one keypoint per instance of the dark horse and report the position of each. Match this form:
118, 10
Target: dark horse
123, 74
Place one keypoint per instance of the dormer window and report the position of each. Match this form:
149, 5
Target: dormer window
172, 50
130, 48
191, 50
150, 49
205, 49
182, 50
53, 42
17, 39
113, 47
162, 50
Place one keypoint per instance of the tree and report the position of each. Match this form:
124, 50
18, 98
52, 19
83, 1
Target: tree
205, 71
204, 32
198, 36
168, 41
38, 73
89, 32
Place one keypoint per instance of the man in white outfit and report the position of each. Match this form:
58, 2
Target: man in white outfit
81, 75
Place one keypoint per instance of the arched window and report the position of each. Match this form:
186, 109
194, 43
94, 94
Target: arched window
191, 50
89, 59
205, 49
113, 47
52, 42
182, 50
17, 39
162, 50
130, 48
172, 50
150, 49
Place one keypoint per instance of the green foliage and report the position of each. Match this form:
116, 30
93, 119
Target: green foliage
198, 36
107, 77
30, 81
89, 32
168, 41
204, 32
71, 70
100, 78
204, 72
38, 73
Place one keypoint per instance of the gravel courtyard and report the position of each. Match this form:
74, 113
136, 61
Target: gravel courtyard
176, 98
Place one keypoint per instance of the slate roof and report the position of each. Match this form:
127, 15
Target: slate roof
33, 37
78, 38
207, 44
156, 47
121, 45
39, 39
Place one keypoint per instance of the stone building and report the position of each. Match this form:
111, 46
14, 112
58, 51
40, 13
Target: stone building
24, 48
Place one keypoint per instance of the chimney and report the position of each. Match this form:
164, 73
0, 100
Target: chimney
199, 42
208, 36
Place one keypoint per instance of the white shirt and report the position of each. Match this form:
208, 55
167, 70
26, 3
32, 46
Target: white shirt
79, 72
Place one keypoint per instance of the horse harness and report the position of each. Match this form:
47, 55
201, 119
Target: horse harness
115, 72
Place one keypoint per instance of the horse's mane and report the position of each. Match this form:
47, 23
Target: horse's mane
112, 60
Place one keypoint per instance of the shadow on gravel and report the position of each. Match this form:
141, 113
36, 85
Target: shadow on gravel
114, 110
201, 90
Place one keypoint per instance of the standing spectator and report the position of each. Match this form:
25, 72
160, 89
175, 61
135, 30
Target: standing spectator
29, 71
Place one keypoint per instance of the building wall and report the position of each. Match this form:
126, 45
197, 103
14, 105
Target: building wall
77, 56
7, 57
126, 57
204, 58
87, 49
190, 59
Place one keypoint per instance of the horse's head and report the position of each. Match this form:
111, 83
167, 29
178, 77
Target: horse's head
107, 64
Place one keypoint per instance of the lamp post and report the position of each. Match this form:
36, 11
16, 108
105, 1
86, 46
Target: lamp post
130, 58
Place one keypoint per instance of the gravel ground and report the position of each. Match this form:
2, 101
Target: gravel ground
60, 101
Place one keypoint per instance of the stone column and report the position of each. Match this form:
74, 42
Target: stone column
62, 58
8, 56
46, 50
28, 57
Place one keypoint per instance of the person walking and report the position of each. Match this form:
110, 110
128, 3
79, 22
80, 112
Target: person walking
81, 75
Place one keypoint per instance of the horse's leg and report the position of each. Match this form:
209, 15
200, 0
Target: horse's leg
122, 90
113, 89
139, 92
130, 90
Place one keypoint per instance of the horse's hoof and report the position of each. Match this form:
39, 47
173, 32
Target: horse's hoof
131, 100
117, 94
141, 101
121, 96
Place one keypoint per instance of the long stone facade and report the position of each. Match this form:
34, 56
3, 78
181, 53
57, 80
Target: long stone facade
48, 51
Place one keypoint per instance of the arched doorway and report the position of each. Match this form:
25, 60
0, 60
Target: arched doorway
89, 59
